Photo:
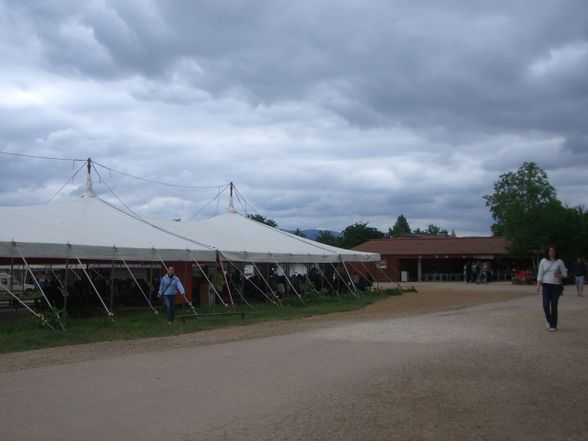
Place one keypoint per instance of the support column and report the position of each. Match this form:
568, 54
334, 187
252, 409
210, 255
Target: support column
420, 269
66, 285
112, 286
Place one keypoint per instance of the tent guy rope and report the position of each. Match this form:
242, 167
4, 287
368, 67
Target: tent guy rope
207, 278
39, 287
41, 317
155, 311
109, 313
253, 283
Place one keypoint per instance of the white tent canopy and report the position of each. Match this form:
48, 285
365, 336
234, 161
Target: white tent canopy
91, 228
240, 239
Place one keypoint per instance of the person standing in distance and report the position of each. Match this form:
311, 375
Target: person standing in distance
580, 273
168, 286
551, 272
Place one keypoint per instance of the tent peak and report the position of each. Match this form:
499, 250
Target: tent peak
231, 207
89, 189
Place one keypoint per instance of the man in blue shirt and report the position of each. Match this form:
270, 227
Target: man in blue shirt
168, 286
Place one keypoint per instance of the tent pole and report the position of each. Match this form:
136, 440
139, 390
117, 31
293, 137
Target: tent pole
150, 281
286, 268
112, 284
241, 292
308, 279
58, 280
109, 313
226, 280
267, 277
349, 275
65, 293
10, 282
210, 284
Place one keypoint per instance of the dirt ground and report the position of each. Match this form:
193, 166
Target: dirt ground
451, 362
430, 297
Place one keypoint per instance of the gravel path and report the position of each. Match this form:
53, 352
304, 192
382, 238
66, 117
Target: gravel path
424, 366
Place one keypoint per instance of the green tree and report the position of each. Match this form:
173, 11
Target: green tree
359, 233
298, 232
327, 238
531, 232
400, 227
529, 215
517, 194
263, 220
432, 230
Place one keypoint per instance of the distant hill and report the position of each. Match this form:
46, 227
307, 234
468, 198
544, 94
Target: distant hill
313, 233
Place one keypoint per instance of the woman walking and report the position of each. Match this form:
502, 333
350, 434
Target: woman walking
551, 272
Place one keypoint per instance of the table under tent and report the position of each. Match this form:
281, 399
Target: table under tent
77, 252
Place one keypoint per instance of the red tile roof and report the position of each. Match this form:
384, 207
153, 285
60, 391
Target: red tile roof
436, 246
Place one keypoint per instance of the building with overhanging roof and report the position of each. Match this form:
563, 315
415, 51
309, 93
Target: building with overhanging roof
439, 258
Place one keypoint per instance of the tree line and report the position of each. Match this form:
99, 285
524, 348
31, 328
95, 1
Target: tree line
360, 232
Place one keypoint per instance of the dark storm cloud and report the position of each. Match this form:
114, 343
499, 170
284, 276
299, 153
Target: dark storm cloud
324, 112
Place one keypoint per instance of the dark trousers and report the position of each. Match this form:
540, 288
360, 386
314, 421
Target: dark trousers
169, 304
551, 295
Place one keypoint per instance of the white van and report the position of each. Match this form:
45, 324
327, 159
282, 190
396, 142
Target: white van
23, 290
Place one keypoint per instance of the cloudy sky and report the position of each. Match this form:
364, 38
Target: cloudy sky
323, 113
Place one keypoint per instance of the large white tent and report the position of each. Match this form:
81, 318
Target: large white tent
91, 228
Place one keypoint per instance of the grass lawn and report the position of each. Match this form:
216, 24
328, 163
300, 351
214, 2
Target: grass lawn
30, 334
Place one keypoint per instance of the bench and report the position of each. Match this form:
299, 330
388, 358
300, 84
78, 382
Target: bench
211, 314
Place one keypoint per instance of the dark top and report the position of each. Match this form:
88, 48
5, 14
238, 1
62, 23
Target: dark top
579, 269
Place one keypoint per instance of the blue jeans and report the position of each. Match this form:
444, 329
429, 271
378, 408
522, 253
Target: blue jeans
169, 303
551, 293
